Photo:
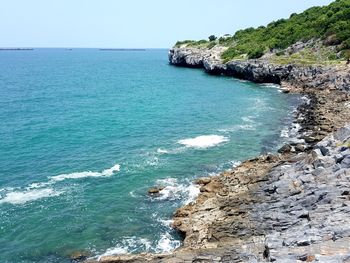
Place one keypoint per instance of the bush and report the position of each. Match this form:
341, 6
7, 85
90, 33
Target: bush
346, 54
229, 54
331, 23
256, 53
211, 45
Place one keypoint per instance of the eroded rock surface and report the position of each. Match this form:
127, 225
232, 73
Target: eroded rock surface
262, 71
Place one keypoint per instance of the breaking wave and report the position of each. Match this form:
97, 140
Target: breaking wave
40, 190
203, 141
166, 243
173, 190
29, 195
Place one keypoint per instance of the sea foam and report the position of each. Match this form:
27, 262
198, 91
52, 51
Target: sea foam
39, 190
204, 141
174, 190
79, 175
127, 246
166, 244
27, 196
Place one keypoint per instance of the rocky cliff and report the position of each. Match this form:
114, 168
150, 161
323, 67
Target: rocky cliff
262, 71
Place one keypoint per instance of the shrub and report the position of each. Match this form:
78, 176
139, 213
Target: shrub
211, 45
256, 53
331, 23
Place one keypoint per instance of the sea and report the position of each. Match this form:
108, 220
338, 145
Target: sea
84, 133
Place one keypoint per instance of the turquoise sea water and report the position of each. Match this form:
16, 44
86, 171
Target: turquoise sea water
85, 133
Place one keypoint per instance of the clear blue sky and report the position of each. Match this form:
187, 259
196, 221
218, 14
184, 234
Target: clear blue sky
133, 23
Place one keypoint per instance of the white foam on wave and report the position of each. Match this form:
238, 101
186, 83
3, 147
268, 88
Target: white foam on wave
291, 131
162, 151
270, 85
203, 141
248, 119
249, 124
192, 193
245, 127
166, 244
39, 190
306, 100
166, 222
173, 190
78, 175
127, 246
131, 245
27, 196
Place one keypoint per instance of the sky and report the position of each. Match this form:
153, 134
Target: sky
133, 23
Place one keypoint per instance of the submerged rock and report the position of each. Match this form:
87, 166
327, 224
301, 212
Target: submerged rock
78, 256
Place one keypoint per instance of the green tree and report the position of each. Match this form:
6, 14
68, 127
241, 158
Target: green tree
212, 38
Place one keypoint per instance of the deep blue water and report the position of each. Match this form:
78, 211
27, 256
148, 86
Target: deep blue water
85, 133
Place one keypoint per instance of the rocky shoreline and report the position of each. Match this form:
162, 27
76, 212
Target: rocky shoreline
293, 206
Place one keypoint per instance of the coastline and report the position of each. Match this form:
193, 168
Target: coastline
272, 208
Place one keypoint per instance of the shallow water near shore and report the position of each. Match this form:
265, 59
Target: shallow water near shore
86, 133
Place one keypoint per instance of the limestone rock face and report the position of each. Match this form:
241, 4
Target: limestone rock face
261, 70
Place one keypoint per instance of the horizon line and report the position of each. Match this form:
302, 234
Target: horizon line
29, 47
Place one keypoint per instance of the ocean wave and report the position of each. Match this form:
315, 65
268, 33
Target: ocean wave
173, 190
244, 127
27, 196
128, 246
306, 100
290, 131
166, 244
78, 175
203, 141
165, 222
248, 119
39, 190
162, 151
270, 85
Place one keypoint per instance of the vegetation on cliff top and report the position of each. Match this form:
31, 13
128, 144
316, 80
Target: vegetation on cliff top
330, 24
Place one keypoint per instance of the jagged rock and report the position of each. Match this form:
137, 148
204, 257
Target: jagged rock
300, 147
261, 71
203, 180
324, 150
345, 163
285, 149
79, 256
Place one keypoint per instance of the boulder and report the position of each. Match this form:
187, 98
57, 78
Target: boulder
203, 180
285, 149
155, 190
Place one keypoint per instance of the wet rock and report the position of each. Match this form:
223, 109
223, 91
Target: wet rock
155, 190
299, 147
285, 149
79, 256
203, 180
